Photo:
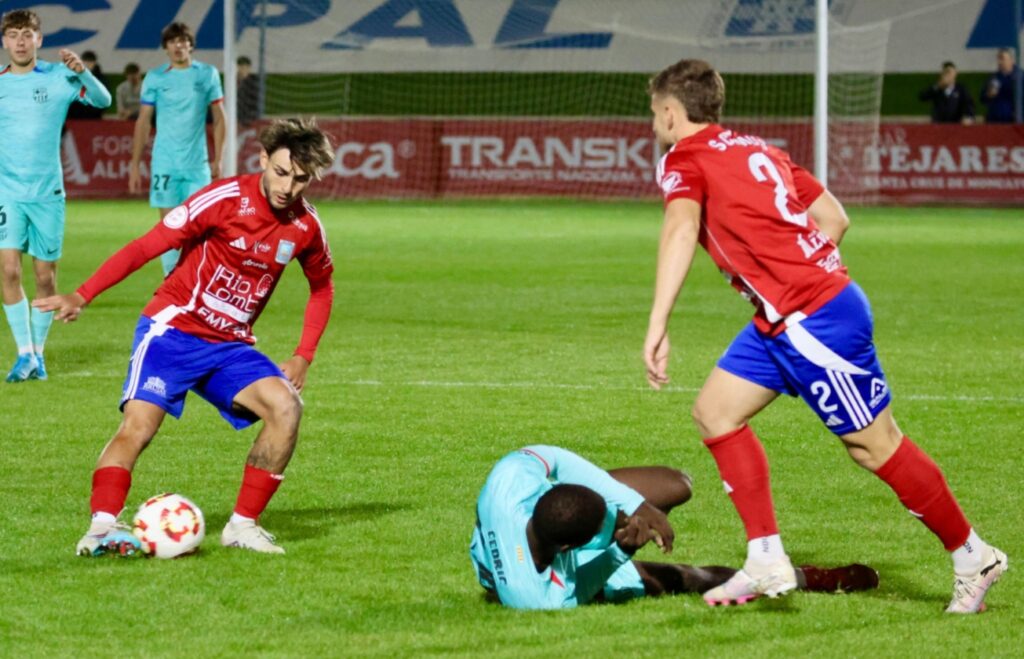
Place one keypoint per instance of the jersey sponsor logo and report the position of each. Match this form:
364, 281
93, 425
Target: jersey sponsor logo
238, 243
261, 248
233, 295
300, 224
155, 385
246, 209
40, 95
177, 218
495, 554
285, 249
251, 263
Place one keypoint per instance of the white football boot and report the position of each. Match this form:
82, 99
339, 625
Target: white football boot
115, 539
249, 535
753, 581
969, 591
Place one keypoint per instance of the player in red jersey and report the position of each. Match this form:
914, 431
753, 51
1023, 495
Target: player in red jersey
236, 236
774, 231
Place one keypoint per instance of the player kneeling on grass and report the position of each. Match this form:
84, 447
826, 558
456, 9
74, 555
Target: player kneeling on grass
555, 531
236, 237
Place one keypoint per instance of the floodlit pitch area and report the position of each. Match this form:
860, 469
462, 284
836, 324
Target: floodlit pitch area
460, 332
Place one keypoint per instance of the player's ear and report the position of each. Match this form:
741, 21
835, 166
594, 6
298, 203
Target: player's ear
264, 158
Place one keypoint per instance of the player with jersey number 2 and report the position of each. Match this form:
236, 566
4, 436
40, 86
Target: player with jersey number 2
236, 238
774, 231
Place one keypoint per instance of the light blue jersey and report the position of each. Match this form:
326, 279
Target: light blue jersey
181, 98
33, 107
501, 553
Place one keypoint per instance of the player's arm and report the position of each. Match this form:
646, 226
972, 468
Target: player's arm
139, 138
219, 130
679, 236
124, 262
92, 91
830, 216
567, 467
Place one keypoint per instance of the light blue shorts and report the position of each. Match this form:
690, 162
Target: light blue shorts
170, 189
33, 227
625, 583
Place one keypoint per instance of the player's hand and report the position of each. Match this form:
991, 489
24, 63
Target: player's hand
631, 533
661, 531
295, 370
71, 60
65, 307
134, 179
656, 349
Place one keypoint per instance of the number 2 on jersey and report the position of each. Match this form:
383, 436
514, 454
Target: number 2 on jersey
763, 169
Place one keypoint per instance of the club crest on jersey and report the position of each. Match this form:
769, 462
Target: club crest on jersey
176, 218
671, 182
245, 208
285, 249
39, 95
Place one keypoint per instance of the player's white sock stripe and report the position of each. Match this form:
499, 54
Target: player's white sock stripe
860, 399
851, 411
233, 185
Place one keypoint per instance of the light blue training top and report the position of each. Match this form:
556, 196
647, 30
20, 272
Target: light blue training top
181, 98
500, 551
33, 107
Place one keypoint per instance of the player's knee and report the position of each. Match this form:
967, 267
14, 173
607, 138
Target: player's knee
136, 431
11, 272
680, 487
286, 410
45, 284
707, 418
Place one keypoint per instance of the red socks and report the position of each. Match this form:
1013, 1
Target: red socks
743, 467
921, 487
110, 487
258, 486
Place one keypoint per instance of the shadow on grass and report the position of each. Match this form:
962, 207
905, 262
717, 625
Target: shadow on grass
306, 523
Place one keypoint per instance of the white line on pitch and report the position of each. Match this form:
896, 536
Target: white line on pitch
583, 387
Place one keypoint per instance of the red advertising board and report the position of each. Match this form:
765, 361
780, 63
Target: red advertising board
428, 158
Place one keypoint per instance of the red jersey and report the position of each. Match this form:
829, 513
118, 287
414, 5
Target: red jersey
234, 249
754, 221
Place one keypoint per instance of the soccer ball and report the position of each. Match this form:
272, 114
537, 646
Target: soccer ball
169, 525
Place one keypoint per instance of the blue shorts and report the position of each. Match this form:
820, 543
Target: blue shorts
167, 362
170, 189
33, 227
827, 358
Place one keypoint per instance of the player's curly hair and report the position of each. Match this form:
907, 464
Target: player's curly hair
308, 145
18, 19
177, 30
695, 84
569, 515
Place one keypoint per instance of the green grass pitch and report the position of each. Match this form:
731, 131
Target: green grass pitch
462, 331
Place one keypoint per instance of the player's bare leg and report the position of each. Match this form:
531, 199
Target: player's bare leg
662, 487
277, 403
16, 310
918, 482
113, 477
46, 286
724, 406
674, 579
168, 259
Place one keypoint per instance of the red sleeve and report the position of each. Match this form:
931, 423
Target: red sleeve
808, 188
680, 178
317, 265
318, 311
170, 233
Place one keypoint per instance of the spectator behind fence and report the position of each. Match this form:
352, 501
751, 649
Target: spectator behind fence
248, 92
951, 102
129, 92
998, 93
78, 110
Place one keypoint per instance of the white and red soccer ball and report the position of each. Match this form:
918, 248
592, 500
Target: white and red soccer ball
169, 525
